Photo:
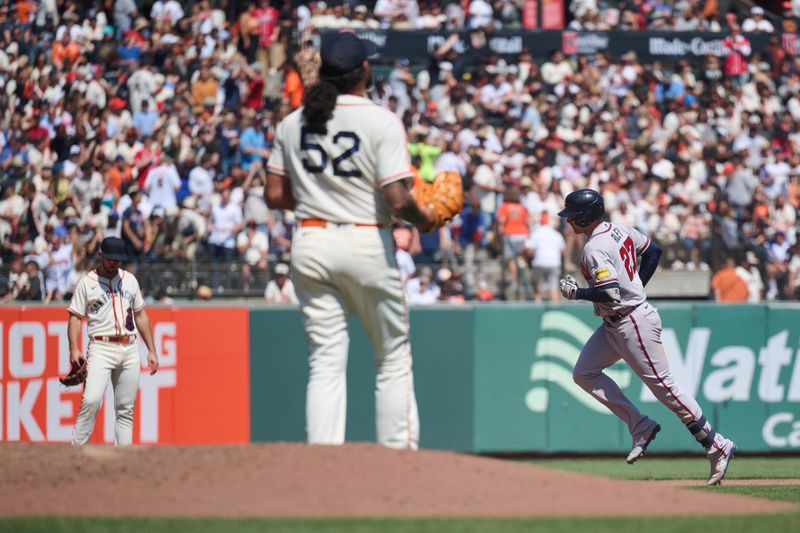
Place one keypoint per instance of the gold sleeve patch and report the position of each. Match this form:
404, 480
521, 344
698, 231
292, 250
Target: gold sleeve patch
601, 273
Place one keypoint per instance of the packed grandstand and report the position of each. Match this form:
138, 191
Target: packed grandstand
153, 121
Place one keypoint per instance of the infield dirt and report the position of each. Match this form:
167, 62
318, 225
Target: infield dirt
296, 480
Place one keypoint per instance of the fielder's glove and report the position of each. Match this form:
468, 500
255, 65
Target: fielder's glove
569, 288
76, 376
444, 196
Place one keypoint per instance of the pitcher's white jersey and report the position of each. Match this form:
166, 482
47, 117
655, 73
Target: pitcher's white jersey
611, 256
107, 304
338, 176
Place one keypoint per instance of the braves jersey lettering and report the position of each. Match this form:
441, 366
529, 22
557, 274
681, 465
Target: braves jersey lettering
338, 176
610, 256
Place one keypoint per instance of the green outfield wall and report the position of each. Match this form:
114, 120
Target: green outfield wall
493, 378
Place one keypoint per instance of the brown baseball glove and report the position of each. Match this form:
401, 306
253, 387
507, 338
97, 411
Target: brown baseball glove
444, 196
76, 376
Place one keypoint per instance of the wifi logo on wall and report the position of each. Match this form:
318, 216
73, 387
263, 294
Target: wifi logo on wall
563, 337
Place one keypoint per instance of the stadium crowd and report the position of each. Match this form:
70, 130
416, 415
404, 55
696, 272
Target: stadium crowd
153, 121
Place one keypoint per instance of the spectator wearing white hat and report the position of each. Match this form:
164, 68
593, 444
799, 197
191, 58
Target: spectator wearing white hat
362, 19
323, 17
253, 246
72, 166
72, 27
747, 269
757, 22
280, 290
421, 289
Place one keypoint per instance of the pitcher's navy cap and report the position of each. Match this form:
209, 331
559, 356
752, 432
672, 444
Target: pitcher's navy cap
113, 248
344, 52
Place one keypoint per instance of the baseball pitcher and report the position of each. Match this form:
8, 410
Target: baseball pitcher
341, 162
631, 330
110, 301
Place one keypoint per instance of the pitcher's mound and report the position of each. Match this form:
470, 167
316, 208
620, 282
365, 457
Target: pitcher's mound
294, 480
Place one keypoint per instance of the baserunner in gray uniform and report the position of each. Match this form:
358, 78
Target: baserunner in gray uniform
631, 330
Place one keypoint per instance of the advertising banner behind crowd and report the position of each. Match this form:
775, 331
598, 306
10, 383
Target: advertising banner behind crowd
417, 45
199, 395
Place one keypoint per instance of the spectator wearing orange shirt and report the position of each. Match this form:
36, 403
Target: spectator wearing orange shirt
65, 50
24, 10
728, 286
204, 89
119, 175
292, 86
512, 227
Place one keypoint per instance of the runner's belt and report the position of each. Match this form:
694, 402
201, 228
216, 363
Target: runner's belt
319, 223
619, 316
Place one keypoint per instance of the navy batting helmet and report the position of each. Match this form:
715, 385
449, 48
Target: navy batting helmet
585, 205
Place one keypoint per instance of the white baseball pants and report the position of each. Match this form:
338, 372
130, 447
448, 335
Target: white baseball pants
121, 363
339, 270
637, 340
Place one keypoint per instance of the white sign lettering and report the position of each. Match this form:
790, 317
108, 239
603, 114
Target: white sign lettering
781, 431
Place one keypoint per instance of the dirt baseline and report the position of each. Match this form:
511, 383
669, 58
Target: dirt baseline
296, 480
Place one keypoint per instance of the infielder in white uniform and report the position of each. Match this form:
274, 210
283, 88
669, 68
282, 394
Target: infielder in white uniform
111, 302
341, 162
631, 330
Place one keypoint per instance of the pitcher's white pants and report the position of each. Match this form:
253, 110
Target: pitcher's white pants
121, 363
340, 270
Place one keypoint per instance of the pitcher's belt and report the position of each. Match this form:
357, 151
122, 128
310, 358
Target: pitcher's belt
320, 223
121, 339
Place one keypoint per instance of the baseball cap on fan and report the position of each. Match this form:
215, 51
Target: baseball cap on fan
343, 53
113, 248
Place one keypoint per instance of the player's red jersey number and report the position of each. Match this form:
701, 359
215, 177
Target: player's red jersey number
628, 255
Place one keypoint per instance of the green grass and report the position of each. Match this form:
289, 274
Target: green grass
661, 468
785, 493
728, 524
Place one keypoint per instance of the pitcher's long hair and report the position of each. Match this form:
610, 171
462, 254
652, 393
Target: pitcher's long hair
319, 100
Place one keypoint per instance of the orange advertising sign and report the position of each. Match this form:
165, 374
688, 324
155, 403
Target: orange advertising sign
201, 393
